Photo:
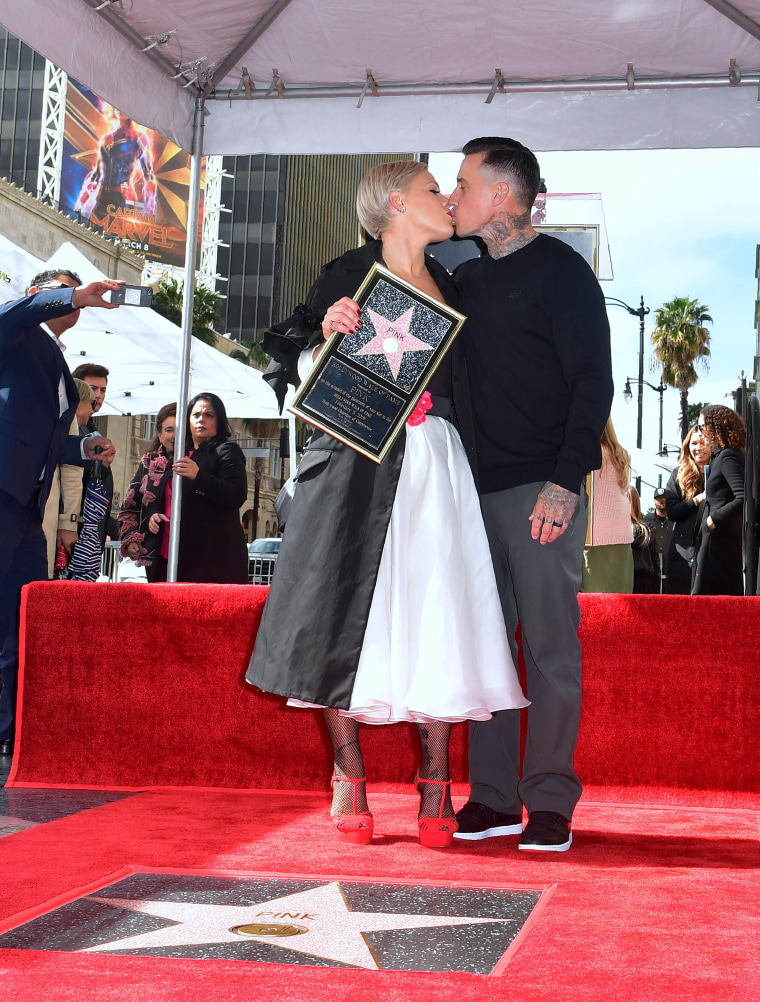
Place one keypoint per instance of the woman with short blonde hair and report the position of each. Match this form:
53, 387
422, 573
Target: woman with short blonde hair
373, 197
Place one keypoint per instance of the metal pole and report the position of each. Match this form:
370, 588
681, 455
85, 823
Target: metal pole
193, 208
639, 427
661, 390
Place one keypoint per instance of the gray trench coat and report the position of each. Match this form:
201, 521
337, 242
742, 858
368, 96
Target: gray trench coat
312, 630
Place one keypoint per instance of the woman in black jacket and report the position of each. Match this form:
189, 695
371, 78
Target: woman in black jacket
211, 542
383, 605
684, 493
718, 561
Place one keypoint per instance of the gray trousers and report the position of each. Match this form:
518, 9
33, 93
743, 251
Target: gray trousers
538, 586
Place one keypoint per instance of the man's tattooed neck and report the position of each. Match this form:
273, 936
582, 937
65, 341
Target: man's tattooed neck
508, 233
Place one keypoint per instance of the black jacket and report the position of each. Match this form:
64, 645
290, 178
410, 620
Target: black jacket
212, 544
684, 514
718, 562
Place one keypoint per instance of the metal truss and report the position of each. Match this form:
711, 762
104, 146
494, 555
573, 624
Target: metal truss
212, 208
51, 147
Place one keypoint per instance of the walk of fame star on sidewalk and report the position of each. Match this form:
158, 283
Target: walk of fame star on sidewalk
393, 339
333, 930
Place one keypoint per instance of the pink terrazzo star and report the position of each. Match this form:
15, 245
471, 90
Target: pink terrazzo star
328, 927
393, 339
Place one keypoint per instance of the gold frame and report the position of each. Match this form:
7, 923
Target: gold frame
374, 275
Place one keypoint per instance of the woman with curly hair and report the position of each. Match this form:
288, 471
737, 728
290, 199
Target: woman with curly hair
608, 559
684, 493
718, 560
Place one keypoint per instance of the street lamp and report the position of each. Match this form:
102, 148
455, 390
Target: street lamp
641, 312
628, 396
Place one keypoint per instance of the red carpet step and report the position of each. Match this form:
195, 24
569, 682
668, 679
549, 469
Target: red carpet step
132, 686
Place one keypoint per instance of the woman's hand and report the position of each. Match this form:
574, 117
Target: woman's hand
710, 523
186, 468
134, 549
342, 316
154, 523
698, 498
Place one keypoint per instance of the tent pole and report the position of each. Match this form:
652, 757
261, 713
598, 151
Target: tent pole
193, 208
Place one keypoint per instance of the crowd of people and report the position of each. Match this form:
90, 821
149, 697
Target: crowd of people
406, 580
691, 543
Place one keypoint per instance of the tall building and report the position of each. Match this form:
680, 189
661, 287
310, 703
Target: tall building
22, 82
286, 217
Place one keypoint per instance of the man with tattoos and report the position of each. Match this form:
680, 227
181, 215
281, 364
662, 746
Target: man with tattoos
537, 346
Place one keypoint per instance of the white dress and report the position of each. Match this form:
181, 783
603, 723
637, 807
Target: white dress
435, 646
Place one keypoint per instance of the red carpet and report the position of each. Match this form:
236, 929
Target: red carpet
656, 901
153, 696
651, 904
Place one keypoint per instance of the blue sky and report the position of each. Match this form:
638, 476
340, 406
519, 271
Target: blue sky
679, 223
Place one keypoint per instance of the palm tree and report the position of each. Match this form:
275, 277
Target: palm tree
681, 340
168, 302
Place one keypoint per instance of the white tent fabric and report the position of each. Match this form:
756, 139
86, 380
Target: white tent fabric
139, 347
17, 268
584, 75
142, 350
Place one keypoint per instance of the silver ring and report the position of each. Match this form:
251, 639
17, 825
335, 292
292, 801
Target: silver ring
331, 328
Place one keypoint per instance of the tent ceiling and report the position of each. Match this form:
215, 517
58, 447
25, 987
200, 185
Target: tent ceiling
565, 67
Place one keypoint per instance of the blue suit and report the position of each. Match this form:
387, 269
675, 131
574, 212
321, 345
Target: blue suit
34, 438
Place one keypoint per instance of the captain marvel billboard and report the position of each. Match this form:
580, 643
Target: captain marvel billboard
131, 183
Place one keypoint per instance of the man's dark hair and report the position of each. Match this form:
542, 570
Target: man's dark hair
45, 277
507, 157
223, 430
90, 369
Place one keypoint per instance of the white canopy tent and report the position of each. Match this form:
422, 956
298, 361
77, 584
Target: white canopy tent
316, 76
287, 76
142, 349
17, 268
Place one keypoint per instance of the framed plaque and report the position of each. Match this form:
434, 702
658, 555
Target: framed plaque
365, 385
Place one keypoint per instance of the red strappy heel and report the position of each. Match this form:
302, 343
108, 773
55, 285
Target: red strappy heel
437, 833
356, 828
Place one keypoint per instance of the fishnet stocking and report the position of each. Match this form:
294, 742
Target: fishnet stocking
344, 734
434, 764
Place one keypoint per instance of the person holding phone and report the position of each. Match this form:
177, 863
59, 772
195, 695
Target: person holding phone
31, 355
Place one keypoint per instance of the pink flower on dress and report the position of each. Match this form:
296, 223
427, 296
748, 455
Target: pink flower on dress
424, 404
148, 497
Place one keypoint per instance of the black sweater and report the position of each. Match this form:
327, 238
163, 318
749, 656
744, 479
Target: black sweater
537, 344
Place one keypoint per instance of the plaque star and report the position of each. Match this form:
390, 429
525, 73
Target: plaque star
334, 932
392, 339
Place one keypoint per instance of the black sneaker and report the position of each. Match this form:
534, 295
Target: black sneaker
546, 832
477, 821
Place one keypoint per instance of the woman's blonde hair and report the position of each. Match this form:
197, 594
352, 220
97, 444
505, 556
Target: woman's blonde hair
690, 476
613, 451
86, 396
373, 194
